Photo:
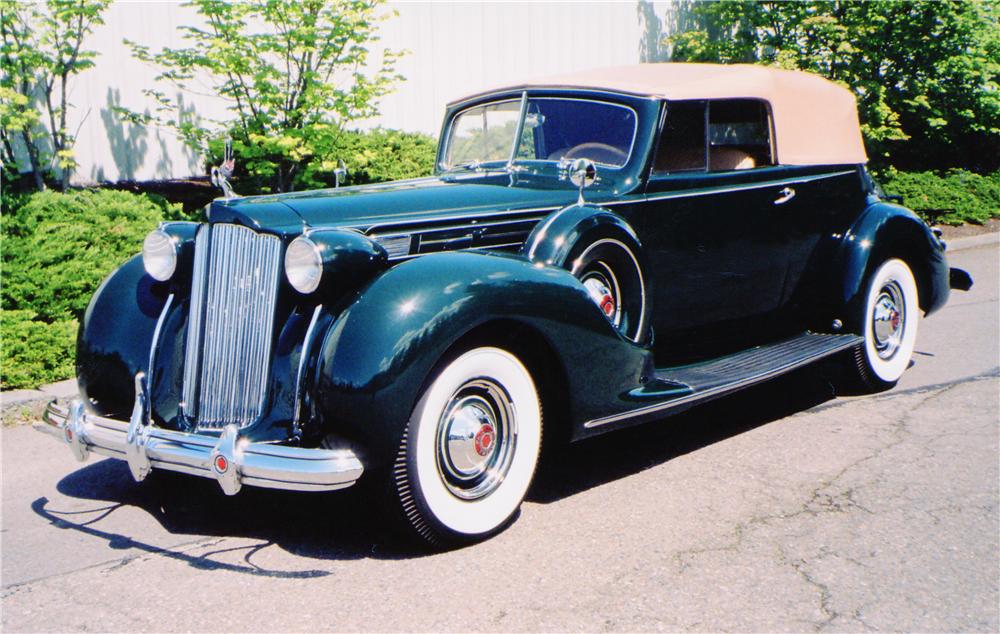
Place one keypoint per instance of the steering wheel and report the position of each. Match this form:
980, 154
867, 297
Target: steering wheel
598, 152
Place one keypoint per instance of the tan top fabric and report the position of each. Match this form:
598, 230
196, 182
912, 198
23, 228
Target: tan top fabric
815, 120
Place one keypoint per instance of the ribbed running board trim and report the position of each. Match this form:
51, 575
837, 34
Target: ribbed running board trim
737, 371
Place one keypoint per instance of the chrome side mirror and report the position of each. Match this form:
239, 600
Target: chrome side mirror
582, 173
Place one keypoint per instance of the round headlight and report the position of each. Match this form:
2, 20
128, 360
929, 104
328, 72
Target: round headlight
159, 255
303, 265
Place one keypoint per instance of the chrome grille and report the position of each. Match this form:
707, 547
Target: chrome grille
233, 296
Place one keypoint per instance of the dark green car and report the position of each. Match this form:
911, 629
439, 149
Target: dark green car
607, 248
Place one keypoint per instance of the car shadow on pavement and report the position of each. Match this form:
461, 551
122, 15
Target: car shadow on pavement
344, 525
573, 468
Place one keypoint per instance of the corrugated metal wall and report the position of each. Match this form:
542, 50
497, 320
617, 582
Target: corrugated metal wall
455, 48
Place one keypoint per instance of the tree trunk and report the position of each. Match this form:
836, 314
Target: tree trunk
33, 158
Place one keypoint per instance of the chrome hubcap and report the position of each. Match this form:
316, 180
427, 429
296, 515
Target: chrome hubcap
888, 319
476, 437
602, 286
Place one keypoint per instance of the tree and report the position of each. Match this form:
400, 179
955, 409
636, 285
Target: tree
925, 72
41, 49
293, 74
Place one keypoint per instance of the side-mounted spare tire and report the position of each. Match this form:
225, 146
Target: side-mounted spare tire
602, 251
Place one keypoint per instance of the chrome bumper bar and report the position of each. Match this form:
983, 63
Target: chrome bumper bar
231, 460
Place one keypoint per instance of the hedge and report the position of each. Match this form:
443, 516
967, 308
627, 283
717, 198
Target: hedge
56, 250
950, 198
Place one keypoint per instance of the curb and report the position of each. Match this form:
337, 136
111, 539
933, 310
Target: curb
23, 405
971, 242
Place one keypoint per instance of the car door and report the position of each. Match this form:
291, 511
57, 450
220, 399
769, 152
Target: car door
708, 228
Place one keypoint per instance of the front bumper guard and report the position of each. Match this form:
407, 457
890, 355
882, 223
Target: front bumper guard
232, 460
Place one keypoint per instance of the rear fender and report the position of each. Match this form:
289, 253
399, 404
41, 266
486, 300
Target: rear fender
883, 231
379, 353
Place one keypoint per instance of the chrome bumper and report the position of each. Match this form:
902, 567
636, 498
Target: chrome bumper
231, 460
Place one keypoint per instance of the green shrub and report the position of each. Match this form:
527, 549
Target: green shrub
34, 352
951, 198
56, 250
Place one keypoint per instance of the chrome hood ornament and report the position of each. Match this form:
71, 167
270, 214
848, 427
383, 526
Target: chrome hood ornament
221, 173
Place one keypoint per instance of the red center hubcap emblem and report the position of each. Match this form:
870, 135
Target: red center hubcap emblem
485, 438
894, 320
608, 305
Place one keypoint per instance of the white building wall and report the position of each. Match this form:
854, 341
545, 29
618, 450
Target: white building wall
455, 48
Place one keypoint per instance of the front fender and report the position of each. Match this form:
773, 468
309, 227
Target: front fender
378, 354
885, 230
553, 240
115, 337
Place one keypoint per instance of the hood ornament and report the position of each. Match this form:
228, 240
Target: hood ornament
221, 174
339, 173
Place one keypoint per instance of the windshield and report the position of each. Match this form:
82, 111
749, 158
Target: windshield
553, 129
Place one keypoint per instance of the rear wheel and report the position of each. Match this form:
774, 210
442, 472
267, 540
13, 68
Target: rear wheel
468, 453
889, 325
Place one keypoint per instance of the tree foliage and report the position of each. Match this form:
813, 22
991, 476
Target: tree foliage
292, 73
41, 50
925, 72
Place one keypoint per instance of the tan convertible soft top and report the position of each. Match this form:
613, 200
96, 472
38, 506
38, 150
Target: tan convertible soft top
815, 120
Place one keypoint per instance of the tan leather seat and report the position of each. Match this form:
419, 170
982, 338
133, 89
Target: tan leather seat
723, 159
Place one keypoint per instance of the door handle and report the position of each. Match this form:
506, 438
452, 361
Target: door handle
785, 195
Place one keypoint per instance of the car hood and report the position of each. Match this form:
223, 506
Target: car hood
400, 202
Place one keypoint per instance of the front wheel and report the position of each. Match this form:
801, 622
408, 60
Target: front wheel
889, 326
468, 453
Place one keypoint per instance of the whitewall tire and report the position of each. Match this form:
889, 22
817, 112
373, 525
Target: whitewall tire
469, 451
890, 322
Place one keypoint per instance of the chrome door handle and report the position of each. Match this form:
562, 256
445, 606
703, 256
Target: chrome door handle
786, 194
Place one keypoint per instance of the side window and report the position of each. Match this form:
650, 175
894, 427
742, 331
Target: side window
682, 145
715, 136
739, 135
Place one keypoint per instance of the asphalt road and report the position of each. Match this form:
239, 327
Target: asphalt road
781, 508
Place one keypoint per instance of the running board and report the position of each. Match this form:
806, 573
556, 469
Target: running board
687, 385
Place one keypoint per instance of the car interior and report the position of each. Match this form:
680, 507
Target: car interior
714, 136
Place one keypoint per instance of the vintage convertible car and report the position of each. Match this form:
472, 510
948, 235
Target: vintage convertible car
607, 248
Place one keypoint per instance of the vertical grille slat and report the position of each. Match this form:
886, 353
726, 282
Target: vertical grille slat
234, 294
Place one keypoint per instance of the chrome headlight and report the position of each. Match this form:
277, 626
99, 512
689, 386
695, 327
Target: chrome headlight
303, 265
159, 255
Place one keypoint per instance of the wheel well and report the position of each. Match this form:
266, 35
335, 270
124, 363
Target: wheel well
542, 362
908, 252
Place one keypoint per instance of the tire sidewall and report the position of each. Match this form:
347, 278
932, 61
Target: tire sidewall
632, 282
445, 513
890, 370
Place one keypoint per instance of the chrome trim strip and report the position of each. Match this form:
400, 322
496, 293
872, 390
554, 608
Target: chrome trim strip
729, 188
155, 344
516, 145
253, 464
721, 389
192, 353
303, 360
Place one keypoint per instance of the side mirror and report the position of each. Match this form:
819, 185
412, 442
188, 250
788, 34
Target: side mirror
582, 173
